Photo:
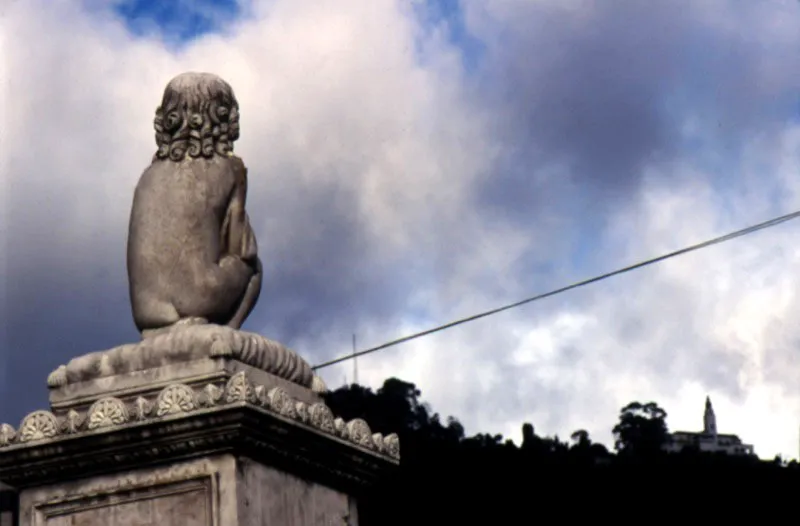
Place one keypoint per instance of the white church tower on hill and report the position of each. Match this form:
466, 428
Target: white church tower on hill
709, 420
708, 440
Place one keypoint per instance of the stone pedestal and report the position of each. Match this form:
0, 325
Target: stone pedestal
8, 506
211, 442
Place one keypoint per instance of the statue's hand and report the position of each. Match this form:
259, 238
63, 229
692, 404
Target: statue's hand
237, 235
235, 263
249, 246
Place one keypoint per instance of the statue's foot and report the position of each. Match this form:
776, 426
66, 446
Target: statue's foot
58, 377
183, 322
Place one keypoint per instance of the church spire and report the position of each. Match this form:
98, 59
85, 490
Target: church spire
709, 420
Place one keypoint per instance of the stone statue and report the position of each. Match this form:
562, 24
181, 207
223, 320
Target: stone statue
193, 267
192, 255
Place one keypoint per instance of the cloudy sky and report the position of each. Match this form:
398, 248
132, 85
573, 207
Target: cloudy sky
416, 161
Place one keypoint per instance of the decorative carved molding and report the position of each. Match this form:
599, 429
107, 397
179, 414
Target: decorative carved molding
238, 389
341, 427
210, 396
178, 399
391, 444
280, 402
321, 417
142, 409
95, 488
190, 342
39, 425
72, 422
107, 412
359, 432
301, 411
377, 443
7, 434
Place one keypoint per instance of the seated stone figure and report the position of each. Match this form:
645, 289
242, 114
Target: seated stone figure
193, 266
192, 255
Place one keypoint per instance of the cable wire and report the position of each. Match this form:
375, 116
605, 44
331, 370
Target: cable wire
692, 248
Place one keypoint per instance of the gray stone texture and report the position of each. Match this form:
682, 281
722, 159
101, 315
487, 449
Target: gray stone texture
199, 423
219, 490
239, 453
181, 345
192, 255
148, 383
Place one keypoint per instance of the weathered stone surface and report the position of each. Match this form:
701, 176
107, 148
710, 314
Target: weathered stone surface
185, 344
237, 455
140, 389
192, 255
221, 490
199, 423
186, 493
208, 405
270, 496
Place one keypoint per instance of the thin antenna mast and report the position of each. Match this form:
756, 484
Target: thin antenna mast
355, 361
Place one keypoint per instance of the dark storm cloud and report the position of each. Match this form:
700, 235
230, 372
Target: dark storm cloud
599, 96
67, 217
605, 88
326, 278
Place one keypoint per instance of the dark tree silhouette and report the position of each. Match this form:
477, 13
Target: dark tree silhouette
642, 429
447, 477
580, 439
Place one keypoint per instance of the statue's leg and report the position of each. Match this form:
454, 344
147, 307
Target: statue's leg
248, 300
150, 312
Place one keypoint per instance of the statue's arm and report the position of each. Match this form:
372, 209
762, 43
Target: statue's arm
237, 236
235, 225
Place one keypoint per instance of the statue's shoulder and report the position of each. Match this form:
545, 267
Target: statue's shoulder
239, 168
152, 173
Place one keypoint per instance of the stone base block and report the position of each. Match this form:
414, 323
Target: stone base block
244, 454
217, 491
182, 344
199, 374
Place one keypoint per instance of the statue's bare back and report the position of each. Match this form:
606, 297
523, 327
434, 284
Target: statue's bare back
192, 255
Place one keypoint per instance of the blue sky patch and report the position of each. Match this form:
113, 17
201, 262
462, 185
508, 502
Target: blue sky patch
449, 14
177, 21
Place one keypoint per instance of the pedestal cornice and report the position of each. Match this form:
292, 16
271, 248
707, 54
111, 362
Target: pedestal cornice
182, 422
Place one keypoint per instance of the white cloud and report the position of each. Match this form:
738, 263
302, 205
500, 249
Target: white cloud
710, 322
351, 109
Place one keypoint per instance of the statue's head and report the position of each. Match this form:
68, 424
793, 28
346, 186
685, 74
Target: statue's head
198, 116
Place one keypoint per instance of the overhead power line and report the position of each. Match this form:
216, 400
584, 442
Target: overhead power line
692, 248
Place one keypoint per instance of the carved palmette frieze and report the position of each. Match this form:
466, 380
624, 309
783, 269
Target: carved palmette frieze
7, 434
359, 432
141, 409
321, 417
38, 425
72, 422
280, 402
260, 396
377, 443
238, 389
210, 395
301, 411
107, 412
174, 399
177, 399
340, 427
391, 445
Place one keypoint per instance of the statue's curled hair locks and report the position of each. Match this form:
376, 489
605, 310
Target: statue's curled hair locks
198, 116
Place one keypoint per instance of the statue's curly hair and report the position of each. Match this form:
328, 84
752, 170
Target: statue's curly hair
198, 116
